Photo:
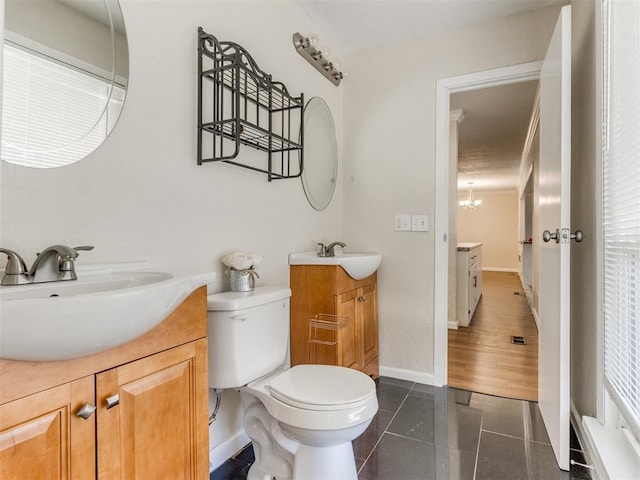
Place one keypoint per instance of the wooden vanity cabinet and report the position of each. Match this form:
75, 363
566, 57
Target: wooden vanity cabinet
152, 432
157, 428
41, 437
327, 289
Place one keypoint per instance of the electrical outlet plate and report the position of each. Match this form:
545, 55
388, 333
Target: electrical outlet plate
402, 222
420, 223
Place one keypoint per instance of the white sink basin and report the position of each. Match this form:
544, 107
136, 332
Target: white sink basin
104, 308
357, 265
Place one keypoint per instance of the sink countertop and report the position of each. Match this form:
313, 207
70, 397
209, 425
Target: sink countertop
465, 247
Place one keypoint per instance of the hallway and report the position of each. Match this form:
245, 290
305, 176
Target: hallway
482, 357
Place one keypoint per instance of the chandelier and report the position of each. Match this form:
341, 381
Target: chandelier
469, 202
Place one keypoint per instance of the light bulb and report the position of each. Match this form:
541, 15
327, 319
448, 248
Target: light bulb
313, 40
337, 64
326, 53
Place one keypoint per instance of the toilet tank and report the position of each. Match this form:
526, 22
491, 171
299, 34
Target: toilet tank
248, 334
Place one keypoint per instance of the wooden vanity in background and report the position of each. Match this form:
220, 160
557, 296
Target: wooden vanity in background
156, 426
353, 305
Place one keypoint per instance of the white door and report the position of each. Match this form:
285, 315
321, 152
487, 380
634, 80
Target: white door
554, 217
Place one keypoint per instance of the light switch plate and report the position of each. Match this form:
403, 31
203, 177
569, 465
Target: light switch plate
402, 222
420, 223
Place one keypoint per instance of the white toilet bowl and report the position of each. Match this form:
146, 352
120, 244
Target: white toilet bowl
318, 410
301, 420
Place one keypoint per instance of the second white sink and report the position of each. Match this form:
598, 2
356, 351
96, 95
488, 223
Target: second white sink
357, 265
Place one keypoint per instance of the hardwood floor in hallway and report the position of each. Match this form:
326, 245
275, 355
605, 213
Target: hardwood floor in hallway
482, 357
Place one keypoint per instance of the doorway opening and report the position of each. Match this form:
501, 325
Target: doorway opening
447, 195
491, 131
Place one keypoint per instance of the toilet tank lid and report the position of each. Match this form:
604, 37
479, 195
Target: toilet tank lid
227, 301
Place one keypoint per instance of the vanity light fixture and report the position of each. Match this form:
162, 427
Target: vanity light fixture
320, 58
470, 203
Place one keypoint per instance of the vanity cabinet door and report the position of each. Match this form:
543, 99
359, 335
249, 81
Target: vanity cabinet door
368, 305
358, 342
42, 437
157, 426
349, 345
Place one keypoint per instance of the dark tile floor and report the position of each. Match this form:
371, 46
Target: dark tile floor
425, 432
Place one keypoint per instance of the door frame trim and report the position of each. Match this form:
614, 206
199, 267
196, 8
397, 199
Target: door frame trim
444, 88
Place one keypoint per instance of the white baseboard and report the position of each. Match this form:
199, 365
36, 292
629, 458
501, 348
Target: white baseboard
499, 269
409, 375
535, 318
227, 449
452, 325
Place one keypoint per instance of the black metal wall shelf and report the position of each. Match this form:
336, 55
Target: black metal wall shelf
239, 104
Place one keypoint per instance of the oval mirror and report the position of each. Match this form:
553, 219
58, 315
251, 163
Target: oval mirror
320, 154
65, 74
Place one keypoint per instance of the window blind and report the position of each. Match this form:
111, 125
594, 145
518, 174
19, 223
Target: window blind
52, 112
621, 207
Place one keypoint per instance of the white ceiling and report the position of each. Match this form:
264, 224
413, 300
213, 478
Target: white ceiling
496, 119
492, 134
360, 24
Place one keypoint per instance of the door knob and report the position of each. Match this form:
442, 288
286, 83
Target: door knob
86, 411
547, 235
578, 236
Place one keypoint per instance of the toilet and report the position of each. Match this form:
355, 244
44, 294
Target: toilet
302, 419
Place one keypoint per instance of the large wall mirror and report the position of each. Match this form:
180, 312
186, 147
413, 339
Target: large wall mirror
320, 154
65, 75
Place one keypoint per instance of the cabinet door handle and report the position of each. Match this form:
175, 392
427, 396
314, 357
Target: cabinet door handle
361, 299
112, 401
86, 411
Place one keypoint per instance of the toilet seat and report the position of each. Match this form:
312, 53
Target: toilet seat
321, 387
302, 408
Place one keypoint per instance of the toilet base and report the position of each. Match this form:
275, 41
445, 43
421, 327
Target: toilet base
335, 462
320, 463
277, 455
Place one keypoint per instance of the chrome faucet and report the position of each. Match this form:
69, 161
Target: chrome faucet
54, 264
329, 250
15, 273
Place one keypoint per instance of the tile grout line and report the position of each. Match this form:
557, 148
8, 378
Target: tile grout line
518, 438
385, 428
414, 439
475, 466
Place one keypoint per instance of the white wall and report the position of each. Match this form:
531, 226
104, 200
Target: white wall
389, 163
532, 163
495, 225
452, 300
141, 194
585, 209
